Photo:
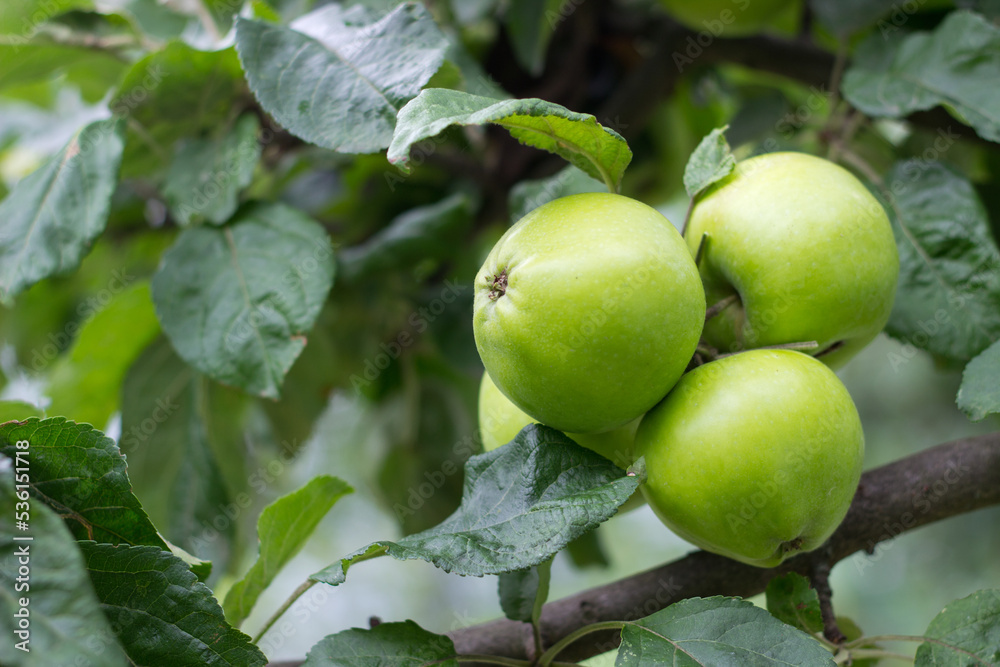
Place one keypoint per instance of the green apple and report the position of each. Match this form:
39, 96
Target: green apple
725, 18
755, 456
587, 311
500, 420
804, 249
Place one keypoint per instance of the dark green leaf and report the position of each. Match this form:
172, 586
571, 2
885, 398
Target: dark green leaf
979, 394
171, 94
526, 196
710, 162
948, 300
521, 504
956, 65
421, 233
530, 24
522, 593
339, 78
80, 473
52, 216
845, 17
171, 461
162, 613
86, 383
206, 175
970, 625
579, 138
587, 550
717, 632
237, 301
283, 528
403, 644
66, 623
790, 599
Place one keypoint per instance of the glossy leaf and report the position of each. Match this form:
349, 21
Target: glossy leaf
521, 504
237, 301
717, 632
710, 162
403, 644
80, 473
340, 76
52, 215
207, 175
791, 599
66, 624
599, 151
979, 394
956, 66
283, 529
971, 627
162, 613
948, 299
86, 383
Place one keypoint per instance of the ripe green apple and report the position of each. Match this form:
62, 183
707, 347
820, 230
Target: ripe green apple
587, 311
755, 456
725, 18
807, 251
500, 420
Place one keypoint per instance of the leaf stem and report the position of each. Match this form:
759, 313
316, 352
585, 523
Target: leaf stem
296, 594
913, 638
862, 653
491, 660
547, 658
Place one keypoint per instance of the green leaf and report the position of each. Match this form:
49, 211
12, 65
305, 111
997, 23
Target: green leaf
207, 175
41, 60
845, 17
23, 17
526, 196
171, 94
792, 600
956, 66
423, 232
11, 410
971, 625
522, 593
521, 504
52, 216
163, 614
80, 473
979, 394
948, 299
85, 384
66, 622
530, 24
717, 632
710, 162
237, 301
171, 461
283, 528
599, 151
339, 78
403, 644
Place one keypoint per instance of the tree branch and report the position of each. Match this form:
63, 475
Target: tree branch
943, 481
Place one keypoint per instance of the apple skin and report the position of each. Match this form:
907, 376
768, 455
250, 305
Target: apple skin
587, 311
500, 420
808, 250
755, 456
725, 18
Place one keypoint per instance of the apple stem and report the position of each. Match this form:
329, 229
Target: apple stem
701, 249
720, 306
820, 577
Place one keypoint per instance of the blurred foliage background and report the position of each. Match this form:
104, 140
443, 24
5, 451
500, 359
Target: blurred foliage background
384, 393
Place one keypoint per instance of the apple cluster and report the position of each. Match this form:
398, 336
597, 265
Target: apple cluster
707, 355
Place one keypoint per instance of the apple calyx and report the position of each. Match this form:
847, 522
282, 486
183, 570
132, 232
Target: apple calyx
498, 286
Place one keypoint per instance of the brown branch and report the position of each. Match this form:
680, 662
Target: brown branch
937, 483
